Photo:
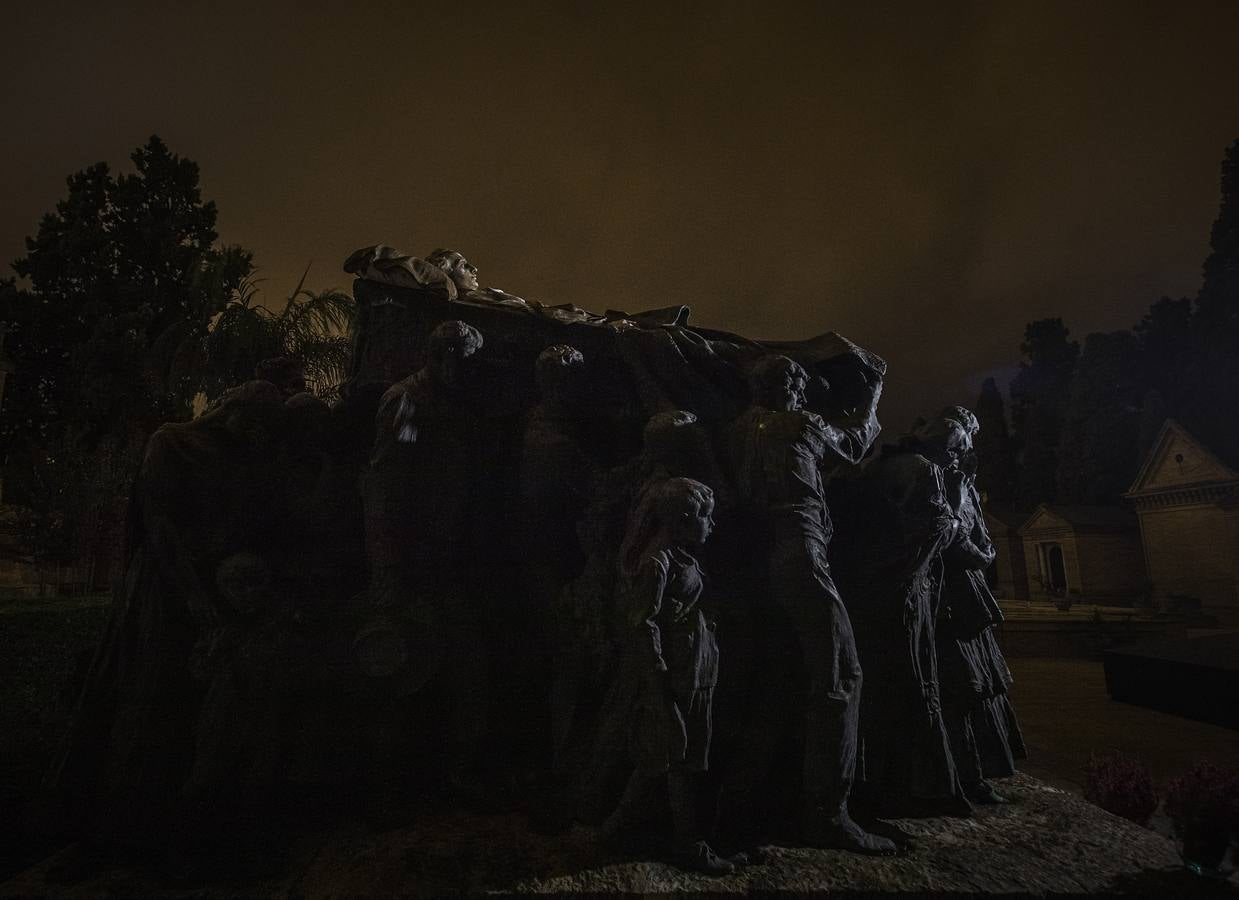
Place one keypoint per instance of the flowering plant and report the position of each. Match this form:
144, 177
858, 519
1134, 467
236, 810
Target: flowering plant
1120, 784
1207, 795
1203, 804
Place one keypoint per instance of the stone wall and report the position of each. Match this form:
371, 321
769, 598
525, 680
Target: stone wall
1192, 552
1110, 565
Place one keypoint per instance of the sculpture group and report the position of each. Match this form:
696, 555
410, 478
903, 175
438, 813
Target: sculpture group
577, 563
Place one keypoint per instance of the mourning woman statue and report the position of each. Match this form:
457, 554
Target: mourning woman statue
418, 489
206, 490
557, 479
669, 663
423, 537
980, 721
557, 474
903, 516
249, 671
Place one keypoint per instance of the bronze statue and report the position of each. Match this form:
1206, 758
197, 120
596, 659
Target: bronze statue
973, 673
669, 662
589, 751
250, 671
557, 479
206, 490
463, 273
423, 533
557, 476
777, 451
904, 518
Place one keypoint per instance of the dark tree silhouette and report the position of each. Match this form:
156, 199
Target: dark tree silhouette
1217, 303
1165, 349
123, 275
995, 455
1097, 451
1039, 395
1212, 378
124, 279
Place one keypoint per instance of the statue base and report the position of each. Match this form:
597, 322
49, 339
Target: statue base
1045, 842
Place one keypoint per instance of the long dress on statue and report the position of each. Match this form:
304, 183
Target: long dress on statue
985, 735
669, 634
892, 562
202, 493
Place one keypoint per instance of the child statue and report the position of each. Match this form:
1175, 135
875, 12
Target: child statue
669, 661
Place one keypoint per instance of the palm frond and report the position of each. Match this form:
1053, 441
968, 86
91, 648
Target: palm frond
308, 313
326, 359
241, 335
312, 328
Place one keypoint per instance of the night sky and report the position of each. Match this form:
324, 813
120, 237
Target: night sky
924, 178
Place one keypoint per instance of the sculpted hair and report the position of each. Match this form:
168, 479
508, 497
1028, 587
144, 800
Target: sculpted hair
678, 497
661, 504
769, 370
453, 335
441, 257
554, 363
667, 432
945, 432
964, 417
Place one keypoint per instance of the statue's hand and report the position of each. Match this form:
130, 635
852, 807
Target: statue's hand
955, 483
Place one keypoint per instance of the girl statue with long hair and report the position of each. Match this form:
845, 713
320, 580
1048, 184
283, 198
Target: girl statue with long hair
669, 662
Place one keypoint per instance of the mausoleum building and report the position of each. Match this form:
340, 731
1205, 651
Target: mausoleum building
1187, 501
1090, 553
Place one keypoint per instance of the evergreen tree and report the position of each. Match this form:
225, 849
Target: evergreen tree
1164, 339
995, 459
1217, 303
1166, 352
1097, 451
1039, 394
124, 275
124, 279
1212, 378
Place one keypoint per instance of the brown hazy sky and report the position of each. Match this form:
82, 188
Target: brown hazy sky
922, 177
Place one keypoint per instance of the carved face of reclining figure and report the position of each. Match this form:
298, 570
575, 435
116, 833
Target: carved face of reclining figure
462, 272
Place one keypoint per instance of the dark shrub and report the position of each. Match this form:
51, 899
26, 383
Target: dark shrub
1204, 807
1120, 784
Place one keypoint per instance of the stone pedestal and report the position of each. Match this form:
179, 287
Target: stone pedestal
1046, 843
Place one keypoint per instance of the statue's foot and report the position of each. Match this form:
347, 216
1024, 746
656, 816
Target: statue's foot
753, 856
847, 835
983, 792
903, 841
700, 857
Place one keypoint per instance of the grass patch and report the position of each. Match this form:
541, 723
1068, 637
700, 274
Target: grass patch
42, 642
